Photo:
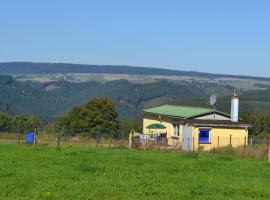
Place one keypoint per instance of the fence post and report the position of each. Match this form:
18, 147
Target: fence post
268, 153
35, 139
18, 133
245, 140
130, 141
230, 139
199, 144
268, 146
165, 143
19, 137
144, 144
98, 135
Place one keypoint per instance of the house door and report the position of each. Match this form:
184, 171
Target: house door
187, 138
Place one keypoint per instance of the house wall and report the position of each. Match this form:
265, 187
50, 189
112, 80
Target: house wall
220, 137
151, 119
213, 117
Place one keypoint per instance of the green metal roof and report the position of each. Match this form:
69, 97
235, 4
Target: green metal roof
185, 112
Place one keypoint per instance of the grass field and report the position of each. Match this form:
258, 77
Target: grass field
244, 84
103, 77
28, 172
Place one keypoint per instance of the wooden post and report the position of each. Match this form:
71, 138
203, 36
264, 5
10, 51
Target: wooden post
97, 138
18, 133
198, 143
130, 140
165, 143
19, 138
268, 153
35, 135
97, 141
144, 144
245, 141
58, 140
243, 150
34, 140
268, 146
230, 139
110, 142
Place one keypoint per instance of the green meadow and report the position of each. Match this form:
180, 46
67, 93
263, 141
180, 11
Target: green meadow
81, 172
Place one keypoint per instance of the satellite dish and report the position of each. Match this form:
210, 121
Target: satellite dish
213, 100
234, 92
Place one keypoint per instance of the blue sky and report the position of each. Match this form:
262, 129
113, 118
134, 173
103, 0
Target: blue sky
224, 36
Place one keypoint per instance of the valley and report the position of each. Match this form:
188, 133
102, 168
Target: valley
56, 89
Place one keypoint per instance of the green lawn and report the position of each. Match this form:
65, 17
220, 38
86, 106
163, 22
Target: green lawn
88, 173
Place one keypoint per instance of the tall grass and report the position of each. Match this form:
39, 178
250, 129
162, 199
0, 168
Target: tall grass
43, 172
258, 151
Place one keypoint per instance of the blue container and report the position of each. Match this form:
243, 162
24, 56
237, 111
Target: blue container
30, 136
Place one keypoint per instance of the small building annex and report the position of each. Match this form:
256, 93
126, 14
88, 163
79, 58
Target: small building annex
195, 128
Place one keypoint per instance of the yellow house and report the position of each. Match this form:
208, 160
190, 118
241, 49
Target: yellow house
195, 128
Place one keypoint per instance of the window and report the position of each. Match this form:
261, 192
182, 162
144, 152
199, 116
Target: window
204, 136
176, 130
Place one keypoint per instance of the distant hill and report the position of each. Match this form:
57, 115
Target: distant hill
45, 68
50, 100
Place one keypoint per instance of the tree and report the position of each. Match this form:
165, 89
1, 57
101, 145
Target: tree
59, 129
4, 122
20, 123
33, 123
101, 117
260, 123
256, 128
126, 125
96, 118
49, 129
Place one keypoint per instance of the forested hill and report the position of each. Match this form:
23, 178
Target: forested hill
45, 68
50, 100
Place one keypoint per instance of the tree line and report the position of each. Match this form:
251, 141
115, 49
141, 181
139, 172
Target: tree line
98, 118
260, 123
18, 123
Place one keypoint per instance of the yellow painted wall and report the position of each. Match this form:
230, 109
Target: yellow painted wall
151, 119
220, 137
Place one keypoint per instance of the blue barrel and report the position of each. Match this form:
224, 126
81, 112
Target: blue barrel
30, 136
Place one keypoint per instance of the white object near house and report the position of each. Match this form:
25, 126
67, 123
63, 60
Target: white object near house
234, 108
213, 100
187, 138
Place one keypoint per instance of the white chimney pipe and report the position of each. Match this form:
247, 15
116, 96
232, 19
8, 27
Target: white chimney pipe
234, 108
